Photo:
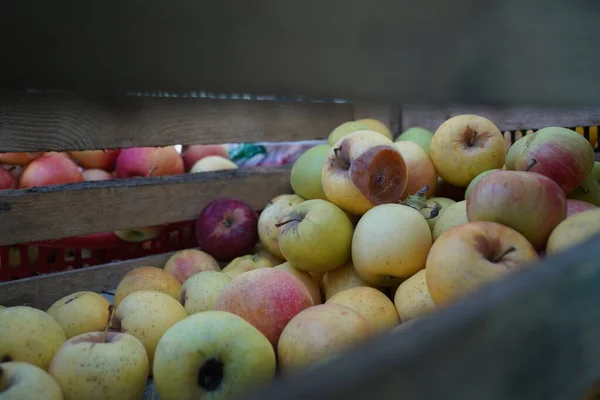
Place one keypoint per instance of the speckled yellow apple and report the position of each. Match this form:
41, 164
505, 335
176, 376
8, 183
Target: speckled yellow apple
213, 163
212, 354
80, 312
574, 230
375, 306
99, 365
456, 214
390, 244
364, 169
305, 278
274, 213
420, 169
185, 263
23, 381
29, 335
471, 255
342, 278
412, 298
464, 146
147, 278
200, 292
147, 314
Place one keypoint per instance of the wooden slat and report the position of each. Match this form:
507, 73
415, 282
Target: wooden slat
50, 121
531, 336
507, 52
59, 211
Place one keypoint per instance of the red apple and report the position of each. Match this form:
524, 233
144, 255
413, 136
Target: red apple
20, 158
577, 206
15, 171
196, 152
7, 181
227, 228
267, 298
96, 159
50, 169
96, 175
561, 154
149, 161
530, 203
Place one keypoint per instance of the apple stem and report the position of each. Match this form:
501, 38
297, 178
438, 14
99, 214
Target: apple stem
338, 157
111, 310
12, 167
531, 164
151, 171
107, 292
423, 190
435, 210
473, 136
418, 200
505, 252
287, 222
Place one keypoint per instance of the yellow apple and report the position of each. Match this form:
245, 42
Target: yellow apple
364, 169
147, 314
212, 354
101, 365
465, 146
213, 163
574, 230
246, 263
305, 175
23, 381
29, 335
420, 169
375, 306
305, 278
147, 278
343, 130
200, 291
80, 312
455, 214
185, 263
139, 235
390, 244
265, 256
412, 298
274, 213
471, 255
342, 278
377, 126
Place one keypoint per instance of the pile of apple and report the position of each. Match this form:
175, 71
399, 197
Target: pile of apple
363, 246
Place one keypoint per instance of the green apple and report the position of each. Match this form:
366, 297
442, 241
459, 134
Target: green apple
316, 236
420, 136
589, 189
20, 380
476, 179
200, 291
305, 176
29, 335
344, 129
212, 354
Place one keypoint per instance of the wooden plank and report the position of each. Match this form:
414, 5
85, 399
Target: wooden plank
506, 118
531, 336
60, 211
398, 51
388, 114
51, 121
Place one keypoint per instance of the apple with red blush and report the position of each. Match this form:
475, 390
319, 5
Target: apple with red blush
576, 206
50, 169
148, 161
96, 159
191, 154
95, 174
7, 180
227, 228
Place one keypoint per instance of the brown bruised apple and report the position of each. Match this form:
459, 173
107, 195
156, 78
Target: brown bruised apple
364, 169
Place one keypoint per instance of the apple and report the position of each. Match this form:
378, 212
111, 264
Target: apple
29, 335
528, 202
147, 314
16, 171
185, 263
439, 204
364, 169
476, 179
101, 365
420, 169
200, 291
371, 303
343, 130
22, 381
342, 278
412, 298
376, 126
213, 163
96, 159
146, 278
148, 161
513, 151
390, 244
19, 158
265, 256
444, 189
246, 263
577, 206
227, 228
267, 298
320, 332
139, 235
275, 212
464, 146
316, 236
560, 154
471, 255
195, 152
212, 354
80, 312
420, 136
50, 169
308, 281
589, 189
573, 230
7, 181
305, 175
96, 175
456, 214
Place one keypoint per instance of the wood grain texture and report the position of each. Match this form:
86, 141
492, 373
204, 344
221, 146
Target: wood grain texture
531, 336
60, 211
51, 121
